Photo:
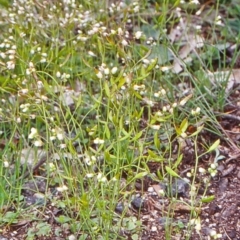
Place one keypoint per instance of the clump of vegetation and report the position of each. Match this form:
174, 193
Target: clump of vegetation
96, 98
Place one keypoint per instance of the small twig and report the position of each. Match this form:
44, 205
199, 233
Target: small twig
230, 116
226, 233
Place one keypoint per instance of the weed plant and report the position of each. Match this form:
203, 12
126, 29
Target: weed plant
88, 86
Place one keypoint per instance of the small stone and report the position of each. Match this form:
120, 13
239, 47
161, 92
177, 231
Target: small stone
164, 221
223, 184
137, 203
120, 207
179, 187
3, 238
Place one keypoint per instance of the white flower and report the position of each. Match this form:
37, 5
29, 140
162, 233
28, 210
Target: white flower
146, 61
124, 42
114, 70
62, 145
98, 141
33, 133
38, 143
62, 188
195, 2
52, 138
90, 53
174, 105
101, 178
99, 75
138, 34
71, 237
165, 69
89, 175
120, 31
202, 170
106, 71
6, 164
155, 127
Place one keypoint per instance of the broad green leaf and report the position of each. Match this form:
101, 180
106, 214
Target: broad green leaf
137, 136
107, 132
63, 219
140, 175
106, 88
156, 140
214, 146
171, 172
152, 154
184, 125
178, 161
152, 65
208, 199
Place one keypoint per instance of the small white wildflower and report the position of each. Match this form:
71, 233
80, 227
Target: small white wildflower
10, 65
146, 61
71, 237
44, 98
149, 102
18, 120
38, 143
113, 32
202, 170
136, 9
213, 166
218, 21
194, 2
213, 233
90, 53
106, 71
189, 174
33, 133
213, 174
52, 138
198, 109
23, 91
2, 55
89, 175
62, 145
43, 60
114, 70
157, 94
40, 85
120, 31
155, 127
60, 135
165, 69
136, 87
164, 109
101, 178
183, 135
198, 27
52, 167
98, 141
62, 188
6, 164
138, 34
99, 75
124, 42
159, 114
174, 105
